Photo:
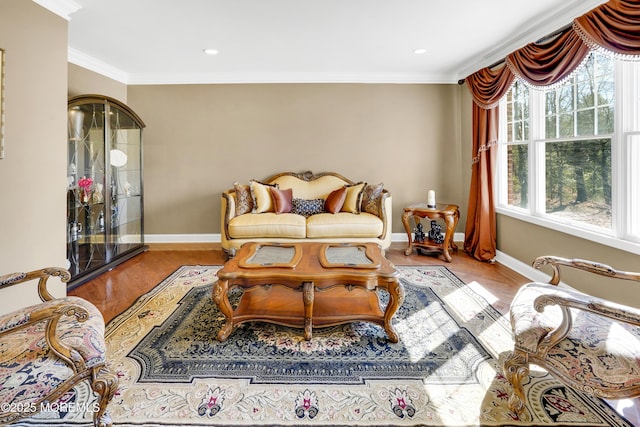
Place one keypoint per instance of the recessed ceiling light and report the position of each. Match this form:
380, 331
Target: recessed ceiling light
210, 51
420, 51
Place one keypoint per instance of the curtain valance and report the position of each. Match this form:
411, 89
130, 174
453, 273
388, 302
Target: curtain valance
550, 62
613, 26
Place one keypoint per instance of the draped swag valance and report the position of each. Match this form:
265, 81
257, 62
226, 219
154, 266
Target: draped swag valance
613, 27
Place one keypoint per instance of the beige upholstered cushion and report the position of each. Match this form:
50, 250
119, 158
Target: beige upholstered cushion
268, 224
317, 189
281, 199
244, 200
354, 197
371, 198
343, 224
262, 201
335, 200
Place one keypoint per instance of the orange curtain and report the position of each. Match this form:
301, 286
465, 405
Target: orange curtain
613, 26
487, 87
548, 63
480, 229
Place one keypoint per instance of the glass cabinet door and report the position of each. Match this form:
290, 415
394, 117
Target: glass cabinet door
104, 186
86, 188
126, 182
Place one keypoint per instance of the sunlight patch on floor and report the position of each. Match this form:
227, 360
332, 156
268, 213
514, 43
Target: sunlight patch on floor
483, 292
470, 310
628, 408
417, 346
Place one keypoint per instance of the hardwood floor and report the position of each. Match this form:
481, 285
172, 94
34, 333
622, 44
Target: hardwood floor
116, 290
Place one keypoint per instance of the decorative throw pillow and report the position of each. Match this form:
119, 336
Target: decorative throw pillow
335, 200
371, 198
281, 199
306, 208
244, 201
353, 198
261, 196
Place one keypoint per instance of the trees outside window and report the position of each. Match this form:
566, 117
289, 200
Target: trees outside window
568, 154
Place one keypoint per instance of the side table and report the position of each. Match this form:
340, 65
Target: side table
449, 213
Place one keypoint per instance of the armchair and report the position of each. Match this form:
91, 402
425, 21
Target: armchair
48, 348
588, 343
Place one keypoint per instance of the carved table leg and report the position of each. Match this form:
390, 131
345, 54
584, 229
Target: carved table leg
307, 299
448, 237
456, 218
407, 227
396, 297
221, 298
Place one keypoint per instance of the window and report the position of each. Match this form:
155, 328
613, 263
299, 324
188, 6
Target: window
568, 156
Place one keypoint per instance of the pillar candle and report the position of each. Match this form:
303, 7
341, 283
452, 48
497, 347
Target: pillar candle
431, 199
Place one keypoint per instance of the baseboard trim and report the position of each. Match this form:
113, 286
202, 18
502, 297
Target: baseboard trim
520, 267
203, 242
157, 239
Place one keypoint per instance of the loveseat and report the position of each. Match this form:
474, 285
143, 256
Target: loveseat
293, 207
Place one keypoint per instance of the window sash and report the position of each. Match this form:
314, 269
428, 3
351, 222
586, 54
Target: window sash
625, 165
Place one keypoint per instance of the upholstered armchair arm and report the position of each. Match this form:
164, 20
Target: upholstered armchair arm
51, 313
584, 265
42, 275
568, 298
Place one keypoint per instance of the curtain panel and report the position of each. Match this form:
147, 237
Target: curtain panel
612, 27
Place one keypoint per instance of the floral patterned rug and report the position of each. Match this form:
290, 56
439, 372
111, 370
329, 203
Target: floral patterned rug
445, 369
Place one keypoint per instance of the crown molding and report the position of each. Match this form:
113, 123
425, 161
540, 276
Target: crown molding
536, 29
62, 8
287, 77
78, 58
86, 61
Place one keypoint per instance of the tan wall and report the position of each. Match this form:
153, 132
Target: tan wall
201, 138
525, 241
83, 81
33, 172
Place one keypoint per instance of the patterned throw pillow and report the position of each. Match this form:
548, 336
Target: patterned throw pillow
244, 201
354, 198
371, 198
306, 208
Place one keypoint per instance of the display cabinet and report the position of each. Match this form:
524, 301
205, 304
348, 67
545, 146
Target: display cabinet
105, 211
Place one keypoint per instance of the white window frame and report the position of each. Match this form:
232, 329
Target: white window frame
623, 203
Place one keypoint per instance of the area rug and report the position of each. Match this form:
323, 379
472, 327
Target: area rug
444, 371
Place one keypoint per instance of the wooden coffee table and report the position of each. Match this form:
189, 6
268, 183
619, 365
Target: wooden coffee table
307, 285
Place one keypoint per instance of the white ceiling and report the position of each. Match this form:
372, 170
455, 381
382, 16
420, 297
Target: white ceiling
162, 41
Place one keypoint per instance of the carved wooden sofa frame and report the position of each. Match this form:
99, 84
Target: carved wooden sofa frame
575, 344
47, 349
